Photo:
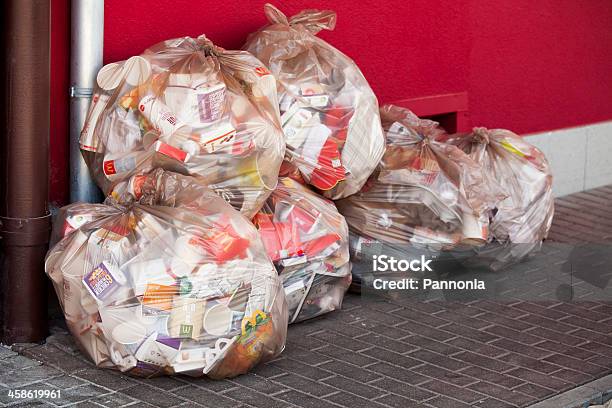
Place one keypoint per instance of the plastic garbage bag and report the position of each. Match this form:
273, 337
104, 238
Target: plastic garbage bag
307, 239
329, 113
167, 278
188, 106
425, 198
521, 220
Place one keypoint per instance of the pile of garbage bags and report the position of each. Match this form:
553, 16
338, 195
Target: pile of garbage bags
219, 168
166, 279
426, 196
307, 239
329, 113
188, 106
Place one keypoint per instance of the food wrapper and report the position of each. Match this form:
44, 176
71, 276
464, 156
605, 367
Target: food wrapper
426, 197
329, 113
166, 277
521, 220
187, 106
307, 239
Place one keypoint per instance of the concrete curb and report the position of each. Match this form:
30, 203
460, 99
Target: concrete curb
594, 392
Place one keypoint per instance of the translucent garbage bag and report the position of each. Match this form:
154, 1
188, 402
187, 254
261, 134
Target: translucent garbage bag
329, 112
307, 239
426, 197
522, 219
188, 106
167, 278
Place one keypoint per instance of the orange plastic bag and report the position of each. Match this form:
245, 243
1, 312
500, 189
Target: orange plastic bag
191, 107
427, 196
329, 113
167, 278
521, 220
307, 239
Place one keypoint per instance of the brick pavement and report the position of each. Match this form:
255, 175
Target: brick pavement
404, 353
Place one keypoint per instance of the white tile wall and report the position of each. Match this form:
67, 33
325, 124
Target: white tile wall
580, 157
599, 155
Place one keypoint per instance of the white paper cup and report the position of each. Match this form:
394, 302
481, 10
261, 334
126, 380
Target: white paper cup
110, 76
129, 333
218, 320
137, 70
474, 232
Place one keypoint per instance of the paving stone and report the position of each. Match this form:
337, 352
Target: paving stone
256, 383
529, 362
544, 333
539, 379
337, 353
575, 364
406, 390
392, 357
452, 377
447, 348
495, 391
492, 403
344, 399
462, 394
341, 341
106, 378
164, 383
389, 331
445, 402
426, 331
87, 404
354, 387
304, 385
505, 332
314, 373
20, 378
482, 361
378, 340
18, 362
535, 391
341, 327
302, 400
312, 357
207, 398
578, 352
350, 371
64, 382
78, 394
421, 317
152, 396
438, 359
256, 399
484, 349
397, 401
268, 370
112, 400
398, 373
57, 358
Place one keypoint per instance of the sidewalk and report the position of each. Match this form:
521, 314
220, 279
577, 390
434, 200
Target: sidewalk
389, 353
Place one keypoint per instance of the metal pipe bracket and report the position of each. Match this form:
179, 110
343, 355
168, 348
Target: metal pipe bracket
26, 232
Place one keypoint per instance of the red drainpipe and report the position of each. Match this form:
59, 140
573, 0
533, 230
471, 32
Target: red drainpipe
24, 168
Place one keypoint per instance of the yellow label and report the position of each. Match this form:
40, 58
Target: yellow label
511, 148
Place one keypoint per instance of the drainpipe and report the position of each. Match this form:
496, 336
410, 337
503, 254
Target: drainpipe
87, 38
24, 155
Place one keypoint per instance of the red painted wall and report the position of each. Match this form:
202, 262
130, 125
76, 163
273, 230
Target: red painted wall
528, 66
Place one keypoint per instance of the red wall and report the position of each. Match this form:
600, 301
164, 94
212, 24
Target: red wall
528, 66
